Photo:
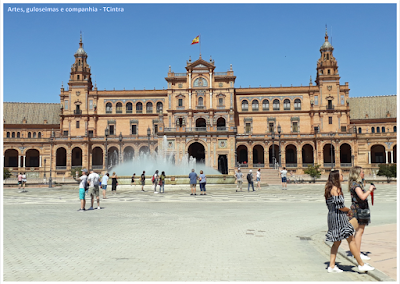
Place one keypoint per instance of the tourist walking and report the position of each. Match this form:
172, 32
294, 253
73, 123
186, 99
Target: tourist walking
250, 180
94, 181
162, 181
104, 182
82, 186
359, 204
258, 179
193, 181
19, 180
202, 183
133, 179
283, 174
143, 180
239, 180
154, 180
24, 180
339, 227
114, 183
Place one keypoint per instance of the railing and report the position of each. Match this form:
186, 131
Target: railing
243, 165
169, 129
200, 107
305, 165
97, 167
108, 111
180, 107
345, 165
149, 110
297, 108
258, 165
118, 111
179, 74
220, 73
222, 128
329, 165
61, 167
128, 111
139, 111
254, 108
291, 165
77, 111
79, 166
196, 129
330, 107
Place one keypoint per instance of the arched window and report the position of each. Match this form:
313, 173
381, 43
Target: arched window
118, 108
265, 104
254, 105
108, 108
149, 107
286, 104
139, 107
359, 130
275, 104
200, 82
200, 101
245, 105
18, 135
13, 135
39, 135
128, 108
297, 104
383, 129
34, 134
377, 130
394, 128
159, 106
372, 129
8, 134
29, 135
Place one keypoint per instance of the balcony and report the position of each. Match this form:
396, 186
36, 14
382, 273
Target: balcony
330, 107
291, 165
345, 165
222, 128
200, 107
329, 165
77, 112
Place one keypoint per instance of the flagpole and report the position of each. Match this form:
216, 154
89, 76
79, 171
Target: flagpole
200, 43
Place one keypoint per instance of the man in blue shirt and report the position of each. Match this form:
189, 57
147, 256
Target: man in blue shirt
193, 182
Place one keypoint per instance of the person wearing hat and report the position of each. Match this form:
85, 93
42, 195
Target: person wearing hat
82, 186
250, 180
239, 180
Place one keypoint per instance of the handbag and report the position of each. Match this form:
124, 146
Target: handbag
363, 215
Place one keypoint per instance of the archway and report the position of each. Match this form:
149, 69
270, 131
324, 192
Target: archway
11, 158
221, 124
222, 164
61, 157
201, 124
113, 157
291, 155
129, 153
307, 153
32, 158
273, 155
143, 150
76, 157
394, 159
258, 156
242, 154
378, 154
196, 150
345, 155
97, 157
329, 155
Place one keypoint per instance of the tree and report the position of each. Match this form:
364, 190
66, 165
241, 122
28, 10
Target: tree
313, 171
76, 170
389, 171
6, 173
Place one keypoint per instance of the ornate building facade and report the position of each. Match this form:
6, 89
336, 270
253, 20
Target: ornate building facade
203, 114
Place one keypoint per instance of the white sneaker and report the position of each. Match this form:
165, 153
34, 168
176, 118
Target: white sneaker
334, 270
155, 192
364, 257
98, 207
365, 267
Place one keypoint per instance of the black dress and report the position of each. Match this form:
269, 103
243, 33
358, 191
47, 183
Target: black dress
357, 203
114, 183
339, 227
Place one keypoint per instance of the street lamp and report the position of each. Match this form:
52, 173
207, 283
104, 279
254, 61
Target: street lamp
120, 145
51, 156
148, 137
279, 135
44, 175
273, 149
331, 134
106, 133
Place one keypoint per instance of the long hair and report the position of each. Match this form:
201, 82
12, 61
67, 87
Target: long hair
354, 175
333, 180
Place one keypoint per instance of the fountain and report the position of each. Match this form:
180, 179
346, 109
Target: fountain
176, 171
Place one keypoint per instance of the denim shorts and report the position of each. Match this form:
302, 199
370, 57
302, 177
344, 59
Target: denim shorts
82, 193
258, 179
104, 186
284, 179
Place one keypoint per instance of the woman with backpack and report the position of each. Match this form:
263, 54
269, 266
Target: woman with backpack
114, 183
154, 180
162, 181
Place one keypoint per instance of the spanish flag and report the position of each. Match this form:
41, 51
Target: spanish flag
196, 39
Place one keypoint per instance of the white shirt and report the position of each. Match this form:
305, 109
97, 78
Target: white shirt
93, 179
83, 181
283, 173
104, 180
258, 174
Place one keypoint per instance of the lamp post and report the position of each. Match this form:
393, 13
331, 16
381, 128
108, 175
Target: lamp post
148, 137
352, 160
279, 135
331, 134
120, 146
51, 156
44, 175
273, 149
106, 133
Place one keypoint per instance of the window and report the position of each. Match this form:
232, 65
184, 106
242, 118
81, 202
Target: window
316, 129
265, 104
377, 130
155, 128
112, 129
383, 129
359, 130
297, 104
66, 105
286, 104
8, 134
220, 101
248, 127
271, 127
13, 135
77, 124
342, 100
254, 105
159, 106
201, 101
139, 107
90, 104
316, 100
245, 105
343, 129
330, 106
330, 119
394, 128
19, 134
29, 135
128, 108
90, 133
180, 121
372, 129
329, 71
108, 108
133, 129
118, 108
65, 133
34, 135
295, 126
180, 102
77, 77
39, 135
149, 107
275, 105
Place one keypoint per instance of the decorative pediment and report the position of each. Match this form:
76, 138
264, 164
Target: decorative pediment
200, 64
221, 95
78, 102
180, 96
330, 97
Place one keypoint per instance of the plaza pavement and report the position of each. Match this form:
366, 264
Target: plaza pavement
267, 235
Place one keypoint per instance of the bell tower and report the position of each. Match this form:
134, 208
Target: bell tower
327, 68
80, 70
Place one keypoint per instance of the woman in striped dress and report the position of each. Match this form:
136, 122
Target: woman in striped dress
339, 227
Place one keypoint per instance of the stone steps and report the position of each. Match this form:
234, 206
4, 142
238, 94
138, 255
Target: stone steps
269, 176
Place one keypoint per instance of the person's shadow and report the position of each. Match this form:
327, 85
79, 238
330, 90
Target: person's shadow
345, 268
349, 254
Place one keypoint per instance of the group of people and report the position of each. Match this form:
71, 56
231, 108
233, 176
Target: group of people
250, 180
344, 222
22, 181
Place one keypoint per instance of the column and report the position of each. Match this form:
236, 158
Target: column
387, 158
19, 160
190, 99
266, 157
391, 157
211, 102
190, 90
299, 159
40, 161
369, 157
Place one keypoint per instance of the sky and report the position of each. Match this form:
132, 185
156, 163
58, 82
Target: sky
267, 45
